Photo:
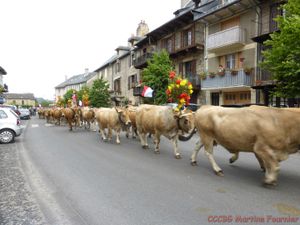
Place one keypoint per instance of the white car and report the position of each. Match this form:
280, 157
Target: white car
10, 125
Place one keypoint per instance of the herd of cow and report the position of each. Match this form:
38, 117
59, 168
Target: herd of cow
270, 133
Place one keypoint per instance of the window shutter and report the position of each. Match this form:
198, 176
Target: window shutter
222, 61
181, 68
193, 69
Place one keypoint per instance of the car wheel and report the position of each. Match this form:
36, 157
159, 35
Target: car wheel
6, 136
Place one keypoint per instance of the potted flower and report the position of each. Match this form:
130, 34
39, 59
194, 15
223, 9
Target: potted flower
203, 75
234, 71
179, 90
221, 70
248, 70
212, 74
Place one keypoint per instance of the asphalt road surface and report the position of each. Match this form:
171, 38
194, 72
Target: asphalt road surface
76, 178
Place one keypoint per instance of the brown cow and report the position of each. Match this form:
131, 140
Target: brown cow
57, 114
41, 113
88, 117
112, 119
255, 107
272, 134
132, 117
72, 115
162, 120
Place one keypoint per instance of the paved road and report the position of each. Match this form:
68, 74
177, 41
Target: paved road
75, 178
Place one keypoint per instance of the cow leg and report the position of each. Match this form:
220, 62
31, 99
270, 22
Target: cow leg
109, 133
234, 157
156, 142
117, 135
175, 145
197, 148
143, 139
261, 163
270, 163
208, 147
102, 131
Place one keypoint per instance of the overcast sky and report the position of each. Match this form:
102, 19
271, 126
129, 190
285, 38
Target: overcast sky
42, 41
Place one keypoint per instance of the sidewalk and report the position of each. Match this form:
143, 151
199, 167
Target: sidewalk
17, 204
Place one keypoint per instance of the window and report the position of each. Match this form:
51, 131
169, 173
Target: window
168, 44
275, 11
187, 38
132, 81
2, 114
117, 86
230, 61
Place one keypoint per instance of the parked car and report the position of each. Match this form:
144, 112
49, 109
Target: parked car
10, 125
14, 108
25, 114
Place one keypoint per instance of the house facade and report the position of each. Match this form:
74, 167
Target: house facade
25, 99
230, 53
119, 71
183, 39
75, 82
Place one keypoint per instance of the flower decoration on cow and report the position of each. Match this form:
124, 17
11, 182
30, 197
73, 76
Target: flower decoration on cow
179, 90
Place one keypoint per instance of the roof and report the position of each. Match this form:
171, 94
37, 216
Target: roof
2, 71
77, 79
29, 96
113, 58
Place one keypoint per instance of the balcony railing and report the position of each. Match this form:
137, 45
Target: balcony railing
241, 79
141, 62
234, 36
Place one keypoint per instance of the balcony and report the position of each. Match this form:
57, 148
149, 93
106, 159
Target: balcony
241, 79
264, 78
141, 62
233, 37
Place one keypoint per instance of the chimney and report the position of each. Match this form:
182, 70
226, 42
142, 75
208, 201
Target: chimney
86, 72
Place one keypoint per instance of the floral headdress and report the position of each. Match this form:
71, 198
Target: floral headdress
179, 90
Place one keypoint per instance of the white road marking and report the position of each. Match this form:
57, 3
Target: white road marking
48, 125
34, 125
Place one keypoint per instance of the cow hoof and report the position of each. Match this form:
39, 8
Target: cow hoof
219, 173
177, 156
194, 163
157, 152
145, 146
231, 161
127, 135
269, 184
104, 139
118, 143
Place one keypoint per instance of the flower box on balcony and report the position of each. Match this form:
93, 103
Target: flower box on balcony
212, 74
203, 75
248, 70
234, 72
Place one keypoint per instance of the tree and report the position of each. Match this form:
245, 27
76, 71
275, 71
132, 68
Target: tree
156, 76
83, 95
282, 58
68, 97
99, 95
